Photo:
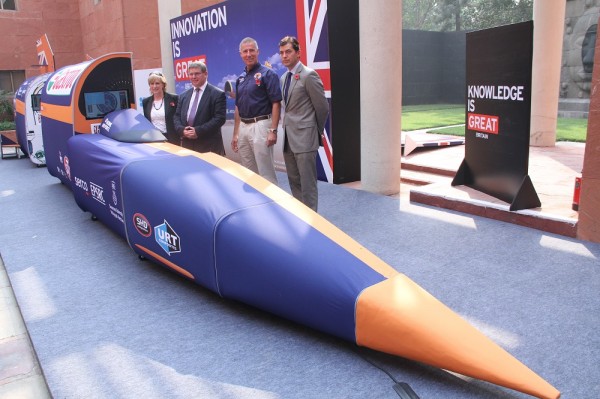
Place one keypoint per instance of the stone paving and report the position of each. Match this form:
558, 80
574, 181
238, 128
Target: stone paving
20, 374
552, 171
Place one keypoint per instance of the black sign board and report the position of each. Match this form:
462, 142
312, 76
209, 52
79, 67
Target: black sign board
498, 115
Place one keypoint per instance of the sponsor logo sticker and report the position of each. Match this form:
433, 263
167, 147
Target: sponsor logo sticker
62, 82
142, 225
167, 238
97, 193
113, 185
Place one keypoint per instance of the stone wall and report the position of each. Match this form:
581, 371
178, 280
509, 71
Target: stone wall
433, 67
581, 19
588, 226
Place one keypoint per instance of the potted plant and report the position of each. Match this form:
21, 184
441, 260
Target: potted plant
8, 134
7, 125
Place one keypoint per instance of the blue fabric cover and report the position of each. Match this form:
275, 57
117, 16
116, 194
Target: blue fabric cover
129, 126
95, 165
194, 217
239, 243
190, 195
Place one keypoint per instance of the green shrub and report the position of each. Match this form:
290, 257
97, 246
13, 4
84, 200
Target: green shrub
7, 112
7, 125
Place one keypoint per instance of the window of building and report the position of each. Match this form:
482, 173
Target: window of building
11, 80
7, 5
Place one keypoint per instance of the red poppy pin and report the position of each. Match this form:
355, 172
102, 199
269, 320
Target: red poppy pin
297, 76
172, 104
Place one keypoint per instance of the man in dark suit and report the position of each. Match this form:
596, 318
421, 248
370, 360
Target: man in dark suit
306, 110
201, 113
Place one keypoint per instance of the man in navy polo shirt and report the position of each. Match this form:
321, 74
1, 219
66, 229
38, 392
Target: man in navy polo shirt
257, 109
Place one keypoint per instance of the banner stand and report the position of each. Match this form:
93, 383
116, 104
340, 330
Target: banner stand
526, 197
464, 176
498, 115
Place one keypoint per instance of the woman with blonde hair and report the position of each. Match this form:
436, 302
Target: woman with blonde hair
159, 107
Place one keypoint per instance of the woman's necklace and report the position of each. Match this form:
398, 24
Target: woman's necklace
160, 106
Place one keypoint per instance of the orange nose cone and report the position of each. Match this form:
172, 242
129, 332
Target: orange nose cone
399, 317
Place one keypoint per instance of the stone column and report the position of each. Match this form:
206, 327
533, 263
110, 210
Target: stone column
588, 227
380, 31
167, 10
548, 27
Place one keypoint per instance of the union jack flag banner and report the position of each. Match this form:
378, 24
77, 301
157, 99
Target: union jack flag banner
311, 17
213, 34
45, 54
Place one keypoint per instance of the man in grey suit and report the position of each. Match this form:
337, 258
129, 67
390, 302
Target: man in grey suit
306, 110
200, 113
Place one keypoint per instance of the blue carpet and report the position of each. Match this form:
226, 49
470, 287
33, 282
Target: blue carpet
107, 325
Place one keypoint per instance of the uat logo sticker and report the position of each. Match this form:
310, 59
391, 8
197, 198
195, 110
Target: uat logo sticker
142, 225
